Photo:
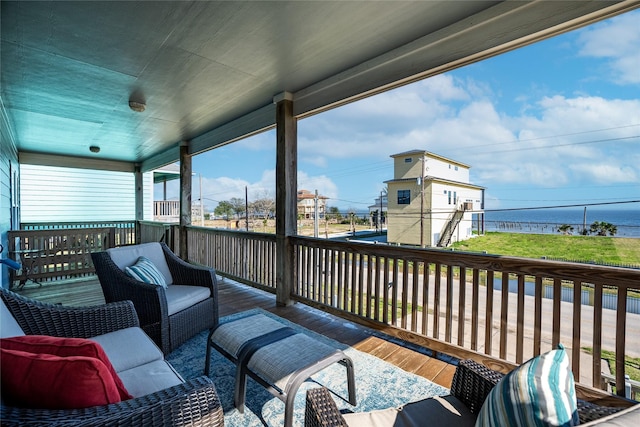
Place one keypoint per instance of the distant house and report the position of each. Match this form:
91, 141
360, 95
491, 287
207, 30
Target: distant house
430, 200
380, 205
306, 204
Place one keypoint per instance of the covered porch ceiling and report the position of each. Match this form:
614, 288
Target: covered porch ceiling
208, 70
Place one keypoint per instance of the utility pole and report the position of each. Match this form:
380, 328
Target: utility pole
246, 207
380, 216
201, 203
315, 215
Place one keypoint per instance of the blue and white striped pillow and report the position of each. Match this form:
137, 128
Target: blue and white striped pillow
145, 271
540, 392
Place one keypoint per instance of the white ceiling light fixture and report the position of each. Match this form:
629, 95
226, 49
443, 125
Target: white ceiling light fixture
138, 107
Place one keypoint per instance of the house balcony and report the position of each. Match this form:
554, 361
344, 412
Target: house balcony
497, 310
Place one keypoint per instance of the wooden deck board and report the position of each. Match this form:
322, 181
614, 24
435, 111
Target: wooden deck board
236, 297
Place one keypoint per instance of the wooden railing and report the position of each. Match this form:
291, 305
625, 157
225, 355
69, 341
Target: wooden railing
498, 310
125, 231
245, 257
56, 253
490, 308
166, 210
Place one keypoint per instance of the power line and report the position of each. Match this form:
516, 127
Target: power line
563, 206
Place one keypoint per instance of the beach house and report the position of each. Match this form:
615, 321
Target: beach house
431, 200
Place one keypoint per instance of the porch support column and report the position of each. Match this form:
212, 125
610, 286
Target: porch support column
139, 200
185, 199
286, 196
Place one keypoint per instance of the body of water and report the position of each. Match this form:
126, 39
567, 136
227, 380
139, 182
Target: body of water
548, 220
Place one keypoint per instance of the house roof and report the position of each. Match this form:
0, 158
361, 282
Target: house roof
432, 155
208, 71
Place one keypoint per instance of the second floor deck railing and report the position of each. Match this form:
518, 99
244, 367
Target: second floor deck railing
498, 309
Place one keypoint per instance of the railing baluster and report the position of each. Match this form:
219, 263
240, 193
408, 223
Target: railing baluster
436, 301
462, 286
369, 286
577, 322
474, 309
425, 297
557, 299
385, 290
448, 324
414, 296
597, 335
376, 284
621, 331
394, 292
537, 316
405, 296
504, 315
488, 322
520, 320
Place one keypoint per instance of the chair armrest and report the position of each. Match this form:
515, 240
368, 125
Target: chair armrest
193, 403
184, 273
472, 383
38, 318
321, 410
588, 411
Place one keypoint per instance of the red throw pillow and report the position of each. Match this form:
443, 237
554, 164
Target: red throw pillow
52, 382
65, 347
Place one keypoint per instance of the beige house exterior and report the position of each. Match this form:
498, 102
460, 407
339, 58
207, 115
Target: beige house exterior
306, 204
430, 200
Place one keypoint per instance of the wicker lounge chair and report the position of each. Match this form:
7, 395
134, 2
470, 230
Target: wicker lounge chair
471, 384
194, 402
167, 327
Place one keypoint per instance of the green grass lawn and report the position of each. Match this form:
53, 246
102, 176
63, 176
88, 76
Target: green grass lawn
617, 250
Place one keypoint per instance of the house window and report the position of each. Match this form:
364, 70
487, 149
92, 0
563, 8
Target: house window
455, 198
408, 160
404, 197
449, 196
456, 168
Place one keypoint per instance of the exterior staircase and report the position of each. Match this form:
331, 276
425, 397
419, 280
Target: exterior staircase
450, 227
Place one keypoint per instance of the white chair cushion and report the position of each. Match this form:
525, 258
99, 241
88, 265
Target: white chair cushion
180, 297
149, 378
129, 348
624, 418
126, 256
8, 325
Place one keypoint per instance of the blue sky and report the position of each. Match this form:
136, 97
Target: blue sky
554, 123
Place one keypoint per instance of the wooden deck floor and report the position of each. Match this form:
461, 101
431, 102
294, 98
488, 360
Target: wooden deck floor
235, 297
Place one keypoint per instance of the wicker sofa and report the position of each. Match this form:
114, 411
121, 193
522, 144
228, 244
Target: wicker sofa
143, 371
471, 384
171, 315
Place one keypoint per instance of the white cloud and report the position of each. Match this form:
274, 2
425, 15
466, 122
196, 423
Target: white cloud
618, 41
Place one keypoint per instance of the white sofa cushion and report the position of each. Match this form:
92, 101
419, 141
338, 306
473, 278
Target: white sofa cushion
149, 378
129, 348
435, 411
180, 297
126, 256
8, 325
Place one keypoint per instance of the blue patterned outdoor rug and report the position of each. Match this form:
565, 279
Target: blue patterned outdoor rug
379, 384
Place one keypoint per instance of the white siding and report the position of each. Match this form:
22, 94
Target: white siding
56, 194
446, 170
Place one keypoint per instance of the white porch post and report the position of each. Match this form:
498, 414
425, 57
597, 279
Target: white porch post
286, 196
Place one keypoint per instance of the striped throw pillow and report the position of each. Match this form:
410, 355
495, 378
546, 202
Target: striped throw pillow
145, 271
540, 392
